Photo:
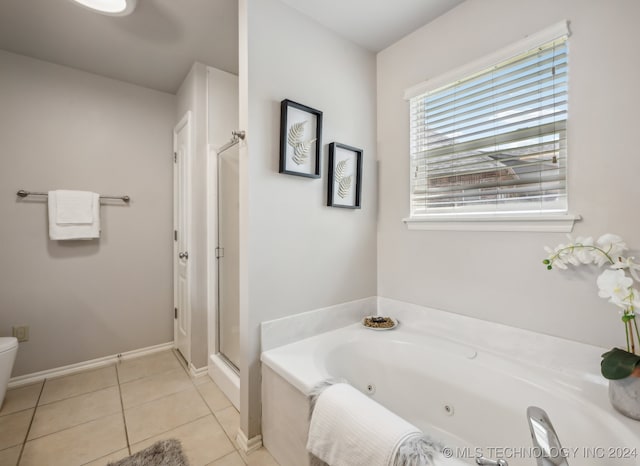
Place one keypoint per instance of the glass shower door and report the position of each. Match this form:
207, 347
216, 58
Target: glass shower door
228, 257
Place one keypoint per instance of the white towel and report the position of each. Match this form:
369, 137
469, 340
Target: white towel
350, 429
69, 215
74, 207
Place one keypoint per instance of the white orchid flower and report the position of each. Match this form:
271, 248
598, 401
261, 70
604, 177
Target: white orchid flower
585, 253
578, 252
573, 259
627, 263
611, 244
615, 285
559, 256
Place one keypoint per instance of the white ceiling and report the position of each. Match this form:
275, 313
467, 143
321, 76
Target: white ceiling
156, 45
373, 24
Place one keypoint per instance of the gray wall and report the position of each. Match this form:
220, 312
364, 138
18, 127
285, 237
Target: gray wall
499, 276
65, 129
300, 254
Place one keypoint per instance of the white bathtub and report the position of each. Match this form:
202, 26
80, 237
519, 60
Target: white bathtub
463, 390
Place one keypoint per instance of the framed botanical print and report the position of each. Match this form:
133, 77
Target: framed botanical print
300, 139
345, 176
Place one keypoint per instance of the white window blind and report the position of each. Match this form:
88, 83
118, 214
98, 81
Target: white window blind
494, 141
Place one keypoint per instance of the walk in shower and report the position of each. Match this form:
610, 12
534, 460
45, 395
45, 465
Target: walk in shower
227, 253
224, 325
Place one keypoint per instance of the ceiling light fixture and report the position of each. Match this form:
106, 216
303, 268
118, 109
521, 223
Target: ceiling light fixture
109, 7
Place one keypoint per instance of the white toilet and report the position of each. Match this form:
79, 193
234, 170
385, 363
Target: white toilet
8, 350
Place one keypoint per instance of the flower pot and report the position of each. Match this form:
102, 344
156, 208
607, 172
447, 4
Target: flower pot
624, 395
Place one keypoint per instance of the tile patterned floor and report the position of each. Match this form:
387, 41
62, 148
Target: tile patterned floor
102, 415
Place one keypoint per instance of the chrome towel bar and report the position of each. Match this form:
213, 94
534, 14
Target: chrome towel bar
23, 193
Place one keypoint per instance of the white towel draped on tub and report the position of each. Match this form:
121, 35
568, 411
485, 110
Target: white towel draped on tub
350, 429
74, 215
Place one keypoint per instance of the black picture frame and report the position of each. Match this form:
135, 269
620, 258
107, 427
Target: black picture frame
345, 163
303, 125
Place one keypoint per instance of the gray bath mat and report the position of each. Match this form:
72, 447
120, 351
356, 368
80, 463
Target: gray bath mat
162, 453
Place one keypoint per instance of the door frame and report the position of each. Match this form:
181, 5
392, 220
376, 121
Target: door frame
186, 120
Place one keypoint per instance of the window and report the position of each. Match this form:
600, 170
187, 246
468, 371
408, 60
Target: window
493, 141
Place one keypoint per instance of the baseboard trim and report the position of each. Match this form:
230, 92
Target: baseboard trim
248, 446
196, 373
86, 365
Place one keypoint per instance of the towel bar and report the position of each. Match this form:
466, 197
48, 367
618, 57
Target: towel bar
23, 193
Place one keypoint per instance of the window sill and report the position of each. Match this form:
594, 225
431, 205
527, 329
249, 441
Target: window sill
508, 222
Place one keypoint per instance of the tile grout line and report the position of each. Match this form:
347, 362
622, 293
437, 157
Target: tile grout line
11, 414
181, 360
173, 428
151, 401
158, 373
235, 452
124, 419
159, 398
83, 393
66, 428
35, 408
79, 394
75, 425
194, 386
233, 443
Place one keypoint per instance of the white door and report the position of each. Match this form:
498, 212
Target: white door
182, 155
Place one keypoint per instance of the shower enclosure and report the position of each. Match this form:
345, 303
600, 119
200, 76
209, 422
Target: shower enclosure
227, 253
223, 240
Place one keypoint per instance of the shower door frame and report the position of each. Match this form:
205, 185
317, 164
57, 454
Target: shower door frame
220, 369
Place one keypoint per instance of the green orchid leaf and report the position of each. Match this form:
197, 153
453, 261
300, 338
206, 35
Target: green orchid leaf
618, 364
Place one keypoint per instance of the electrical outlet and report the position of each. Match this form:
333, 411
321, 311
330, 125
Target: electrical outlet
21, 333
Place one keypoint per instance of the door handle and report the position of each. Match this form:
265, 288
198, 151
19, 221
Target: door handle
183, 255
